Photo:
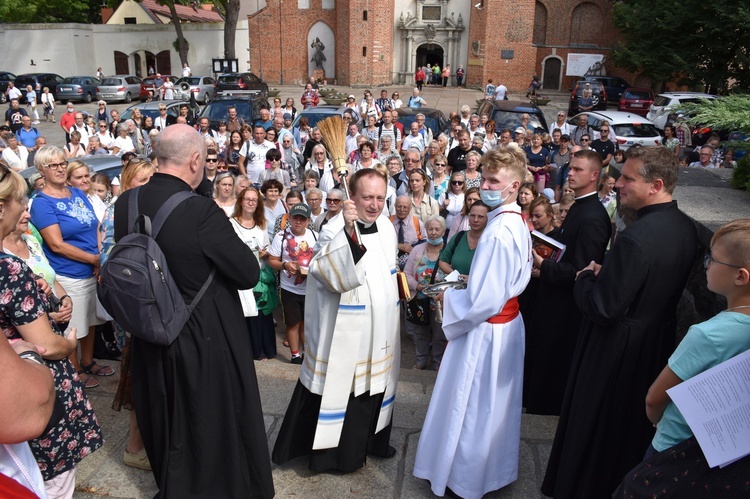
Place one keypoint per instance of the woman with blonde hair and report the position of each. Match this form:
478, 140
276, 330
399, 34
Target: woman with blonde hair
423, 206
136, 173
224, 192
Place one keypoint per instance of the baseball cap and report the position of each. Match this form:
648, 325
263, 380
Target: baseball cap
300, 209
287, 116
352, 96
520, 129
565, 137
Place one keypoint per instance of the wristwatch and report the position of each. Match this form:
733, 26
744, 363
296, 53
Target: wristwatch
33, 356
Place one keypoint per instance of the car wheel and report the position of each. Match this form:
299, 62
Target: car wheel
205, 98
128, 97
595, 100
3, 98
88, 98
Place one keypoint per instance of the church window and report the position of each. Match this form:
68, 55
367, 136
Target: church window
303, 4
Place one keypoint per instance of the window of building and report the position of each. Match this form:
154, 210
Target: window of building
329, 4
130, 20
303, 4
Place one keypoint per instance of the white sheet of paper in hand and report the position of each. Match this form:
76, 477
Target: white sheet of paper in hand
716, 406
453, 276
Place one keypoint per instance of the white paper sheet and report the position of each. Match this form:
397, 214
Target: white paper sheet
716, 405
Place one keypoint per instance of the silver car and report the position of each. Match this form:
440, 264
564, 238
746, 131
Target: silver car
204, 88
119, 88
660, 111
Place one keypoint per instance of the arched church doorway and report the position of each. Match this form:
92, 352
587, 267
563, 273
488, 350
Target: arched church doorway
122, 66
551, 73
430, 53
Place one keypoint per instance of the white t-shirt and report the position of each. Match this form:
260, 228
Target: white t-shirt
125, 144
255, 158
14, 93
412, 141
291, 248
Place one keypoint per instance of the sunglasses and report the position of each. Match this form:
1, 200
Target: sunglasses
585, 140
333, 201
439, 164
456, 182
212, 160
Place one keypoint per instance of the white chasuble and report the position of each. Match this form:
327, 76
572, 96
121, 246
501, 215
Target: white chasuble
352, 341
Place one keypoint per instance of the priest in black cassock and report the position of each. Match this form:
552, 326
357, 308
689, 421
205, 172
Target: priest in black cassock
553, 325
197, 400
628, 333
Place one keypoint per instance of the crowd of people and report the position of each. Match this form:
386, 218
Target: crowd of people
349, 257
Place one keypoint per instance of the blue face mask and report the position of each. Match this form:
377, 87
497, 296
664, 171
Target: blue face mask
435, 242
493, 198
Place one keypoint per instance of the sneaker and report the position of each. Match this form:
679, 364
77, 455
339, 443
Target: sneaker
137, 460
297, 359
35, 122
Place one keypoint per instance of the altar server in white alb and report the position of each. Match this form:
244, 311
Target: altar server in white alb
471, 435
341, 408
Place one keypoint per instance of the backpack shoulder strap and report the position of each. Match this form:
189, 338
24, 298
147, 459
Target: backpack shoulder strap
457, 239
133, 214
167, 208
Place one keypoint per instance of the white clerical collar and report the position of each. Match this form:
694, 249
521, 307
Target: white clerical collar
586, 195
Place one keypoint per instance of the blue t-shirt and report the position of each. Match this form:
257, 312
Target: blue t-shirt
78, 226
705, 345
537, 159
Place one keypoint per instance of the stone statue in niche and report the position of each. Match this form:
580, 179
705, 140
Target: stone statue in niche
318, 57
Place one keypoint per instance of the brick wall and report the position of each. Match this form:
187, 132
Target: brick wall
271, 54
499, 26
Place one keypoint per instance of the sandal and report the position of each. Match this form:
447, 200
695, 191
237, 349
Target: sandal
87, 380
97, 370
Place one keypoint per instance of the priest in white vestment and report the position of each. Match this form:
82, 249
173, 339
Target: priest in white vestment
342, 405
471, 436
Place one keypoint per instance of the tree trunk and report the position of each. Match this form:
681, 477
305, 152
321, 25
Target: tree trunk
181, 42
230, 27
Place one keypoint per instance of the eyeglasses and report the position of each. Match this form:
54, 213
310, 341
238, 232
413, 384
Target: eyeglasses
604, 131
707, 260
410, 160
319, 153
585, 140
439, 164
212, 160
456, 182
55, 166
332, 201
102, 126
275, 160
561, 115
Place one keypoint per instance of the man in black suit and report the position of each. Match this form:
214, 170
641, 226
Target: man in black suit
198, 402
552, 330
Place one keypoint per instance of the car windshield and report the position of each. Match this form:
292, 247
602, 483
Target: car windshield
76, 81
637, 94
312, 118
190, 81
431, 122
111, 82
636, 130
512, 120
218, 110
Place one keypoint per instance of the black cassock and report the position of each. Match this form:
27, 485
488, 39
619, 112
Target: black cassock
197, 400
627, 336
554, 321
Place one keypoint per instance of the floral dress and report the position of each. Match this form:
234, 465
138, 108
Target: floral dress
672, 144
78, 434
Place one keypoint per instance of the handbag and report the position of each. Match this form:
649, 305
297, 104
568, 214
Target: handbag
418, 309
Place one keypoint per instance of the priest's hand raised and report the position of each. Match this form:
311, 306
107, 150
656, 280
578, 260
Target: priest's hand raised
350, 215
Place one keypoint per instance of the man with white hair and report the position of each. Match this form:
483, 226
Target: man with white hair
416, 101
175, 386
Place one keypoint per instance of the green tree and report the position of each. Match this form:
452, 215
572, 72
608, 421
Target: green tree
230, 9
182, 44
698, 43
47, 11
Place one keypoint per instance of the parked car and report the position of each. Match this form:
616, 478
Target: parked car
152, 109
434, 119
147, 86
507, 114
77, 88
118, 88
38, 81
238, 83
5, 78
598, 96
108, 164
629, 129
318, 113
204, 88
659, 112
636, 101
613, 85
248, 108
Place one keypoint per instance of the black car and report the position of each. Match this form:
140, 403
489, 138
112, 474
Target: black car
507, 114
38, 81
598, 96
5, 78
240, 83
434, 119
613, 85
248, 108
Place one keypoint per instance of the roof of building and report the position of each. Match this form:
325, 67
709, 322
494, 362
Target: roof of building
192, 13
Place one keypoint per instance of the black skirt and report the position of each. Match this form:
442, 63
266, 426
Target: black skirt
358, 437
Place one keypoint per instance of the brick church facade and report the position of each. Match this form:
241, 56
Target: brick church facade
381, 42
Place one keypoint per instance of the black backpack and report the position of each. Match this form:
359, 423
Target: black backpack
135, 285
